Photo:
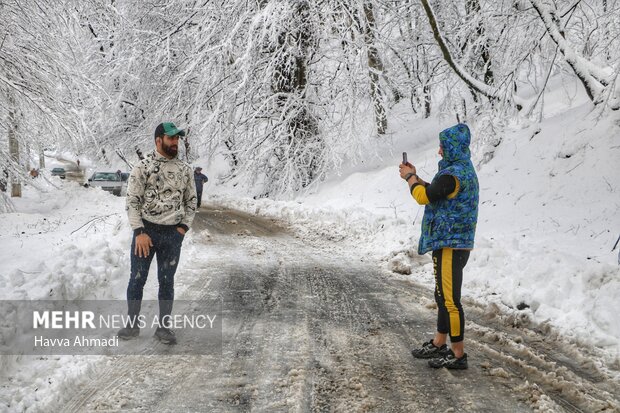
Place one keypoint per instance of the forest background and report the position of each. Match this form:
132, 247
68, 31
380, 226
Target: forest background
285, 90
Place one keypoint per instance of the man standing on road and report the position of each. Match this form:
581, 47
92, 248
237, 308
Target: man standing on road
200, 179
448, 229
161, 204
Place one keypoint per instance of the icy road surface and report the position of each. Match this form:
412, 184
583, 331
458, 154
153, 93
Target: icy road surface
311, 326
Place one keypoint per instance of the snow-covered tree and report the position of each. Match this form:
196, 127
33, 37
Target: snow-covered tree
285, 89
41, 84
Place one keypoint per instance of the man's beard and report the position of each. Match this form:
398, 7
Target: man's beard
171, 150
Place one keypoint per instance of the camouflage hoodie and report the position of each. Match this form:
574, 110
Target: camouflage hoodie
161, 191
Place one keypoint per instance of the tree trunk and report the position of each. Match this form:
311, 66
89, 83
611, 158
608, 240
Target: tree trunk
606, 31
427, 100
290, 82
376, 68
231, 146
187, 145
41, 159
473, 7
27, 158
16, 187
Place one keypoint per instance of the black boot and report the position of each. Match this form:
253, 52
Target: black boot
163, 333
131, 329
128, 333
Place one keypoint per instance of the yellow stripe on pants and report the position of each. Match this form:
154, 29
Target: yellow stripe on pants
446, 287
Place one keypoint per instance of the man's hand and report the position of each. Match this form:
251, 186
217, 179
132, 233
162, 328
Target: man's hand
143, 245
181, 230
405, 169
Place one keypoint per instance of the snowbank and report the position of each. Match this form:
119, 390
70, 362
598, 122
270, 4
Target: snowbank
65, 243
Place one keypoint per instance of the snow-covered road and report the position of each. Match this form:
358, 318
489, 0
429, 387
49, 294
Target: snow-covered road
314, 326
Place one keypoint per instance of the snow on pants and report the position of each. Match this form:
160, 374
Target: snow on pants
167, 247
448, 266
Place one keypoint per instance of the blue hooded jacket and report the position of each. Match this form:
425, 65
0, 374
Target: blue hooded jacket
451, 223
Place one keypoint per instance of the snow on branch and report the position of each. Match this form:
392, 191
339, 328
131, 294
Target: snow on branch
594, 78
472, 82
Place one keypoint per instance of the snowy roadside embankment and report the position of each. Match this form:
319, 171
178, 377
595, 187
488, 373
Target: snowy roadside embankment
62, 242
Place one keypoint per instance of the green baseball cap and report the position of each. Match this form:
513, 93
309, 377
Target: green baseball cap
168, 128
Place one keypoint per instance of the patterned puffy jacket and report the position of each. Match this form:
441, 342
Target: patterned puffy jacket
161, 191
451, 223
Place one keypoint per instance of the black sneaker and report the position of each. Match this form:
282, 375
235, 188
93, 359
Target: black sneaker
128, 333
429, 351
449, 361
165, 335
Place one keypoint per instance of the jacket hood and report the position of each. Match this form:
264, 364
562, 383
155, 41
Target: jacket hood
455, 143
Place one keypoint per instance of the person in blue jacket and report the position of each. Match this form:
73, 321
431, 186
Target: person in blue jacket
200, 179
448, 230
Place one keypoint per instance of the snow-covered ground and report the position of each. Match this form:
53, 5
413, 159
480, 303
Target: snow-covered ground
549, 216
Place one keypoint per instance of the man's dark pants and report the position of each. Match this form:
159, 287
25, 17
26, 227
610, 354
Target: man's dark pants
199, 196
167, 242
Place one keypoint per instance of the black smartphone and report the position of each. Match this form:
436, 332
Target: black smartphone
405, 158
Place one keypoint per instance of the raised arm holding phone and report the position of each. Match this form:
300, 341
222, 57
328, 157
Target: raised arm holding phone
408, 172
